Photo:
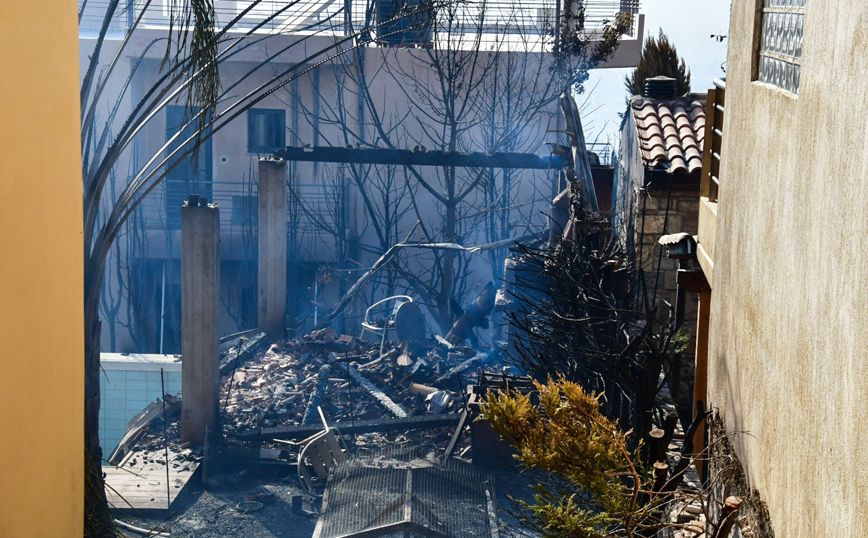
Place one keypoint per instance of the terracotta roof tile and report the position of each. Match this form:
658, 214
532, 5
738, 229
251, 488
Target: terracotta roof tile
671, 131
670, 134
686, 135
692, 152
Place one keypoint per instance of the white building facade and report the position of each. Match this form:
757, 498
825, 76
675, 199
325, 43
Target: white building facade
313, 75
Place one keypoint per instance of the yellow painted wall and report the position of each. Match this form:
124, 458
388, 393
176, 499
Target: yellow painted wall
41, 321
789, 317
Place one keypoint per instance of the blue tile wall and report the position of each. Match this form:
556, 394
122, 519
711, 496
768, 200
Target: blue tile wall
125, 393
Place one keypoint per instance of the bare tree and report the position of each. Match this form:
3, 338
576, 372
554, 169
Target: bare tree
195, 48
479, 86
335, 119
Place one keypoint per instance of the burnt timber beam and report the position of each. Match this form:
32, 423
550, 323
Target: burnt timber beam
242, 353
303, 431
326, 154
378, 395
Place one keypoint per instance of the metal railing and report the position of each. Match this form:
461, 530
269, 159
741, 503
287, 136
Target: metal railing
312, 207
327, 17
714, 111
601, 152
238, 201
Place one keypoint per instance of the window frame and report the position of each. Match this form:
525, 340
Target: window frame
257, 146
780, 40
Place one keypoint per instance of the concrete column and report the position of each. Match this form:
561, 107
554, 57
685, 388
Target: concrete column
200, 284
272, 247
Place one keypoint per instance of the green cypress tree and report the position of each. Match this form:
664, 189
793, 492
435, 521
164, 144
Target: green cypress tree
659, 57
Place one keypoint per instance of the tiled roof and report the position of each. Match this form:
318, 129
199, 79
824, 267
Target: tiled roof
671, 131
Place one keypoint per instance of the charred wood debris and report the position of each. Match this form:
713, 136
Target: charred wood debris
410, 394
573, 312
348, 379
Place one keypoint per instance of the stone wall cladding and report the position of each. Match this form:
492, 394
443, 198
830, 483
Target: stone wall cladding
682, 217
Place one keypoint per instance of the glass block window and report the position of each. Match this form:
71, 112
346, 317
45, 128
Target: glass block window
780, 55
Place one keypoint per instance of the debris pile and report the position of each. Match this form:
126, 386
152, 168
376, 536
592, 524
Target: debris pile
341, 380
349, 380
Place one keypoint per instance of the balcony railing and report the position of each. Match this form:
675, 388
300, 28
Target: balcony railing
601, 153
312, 209
237, 200
326, 17
710, 181
714, 111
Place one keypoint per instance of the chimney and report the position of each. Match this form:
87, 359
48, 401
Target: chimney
660, 87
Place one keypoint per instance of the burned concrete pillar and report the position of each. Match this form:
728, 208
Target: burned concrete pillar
200, 280
272, 247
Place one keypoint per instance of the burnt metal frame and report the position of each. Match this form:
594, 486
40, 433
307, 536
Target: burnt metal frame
419, 157
407, 503
303, 431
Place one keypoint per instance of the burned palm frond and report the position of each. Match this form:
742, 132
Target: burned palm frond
573, 319
192, 28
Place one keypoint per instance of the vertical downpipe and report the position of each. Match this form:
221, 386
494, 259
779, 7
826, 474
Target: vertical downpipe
316, 126
163, 308
348, 18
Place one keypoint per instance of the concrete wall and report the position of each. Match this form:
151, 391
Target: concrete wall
41, 273
788, 317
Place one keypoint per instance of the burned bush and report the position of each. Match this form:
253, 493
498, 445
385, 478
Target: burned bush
572, 316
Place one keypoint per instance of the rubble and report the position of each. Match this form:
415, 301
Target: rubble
348, 377
406, 394
438, 402
138, 425
387, 402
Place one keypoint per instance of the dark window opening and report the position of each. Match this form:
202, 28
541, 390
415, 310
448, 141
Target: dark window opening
266, 130
188, 175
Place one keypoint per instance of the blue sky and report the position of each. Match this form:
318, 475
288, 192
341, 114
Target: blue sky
688, 23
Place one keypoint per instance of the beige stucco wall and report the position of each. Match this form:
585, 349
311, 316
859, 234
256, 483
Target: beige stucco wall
789, 315
41, 285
